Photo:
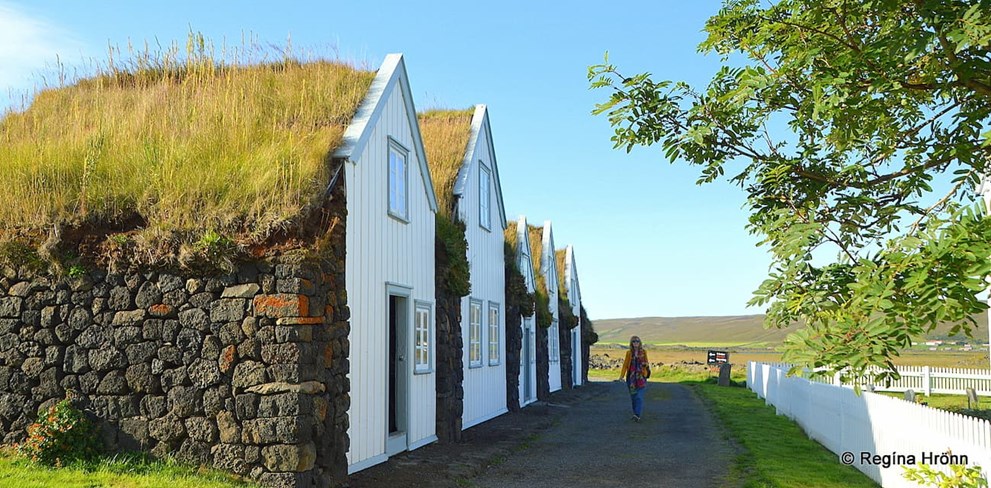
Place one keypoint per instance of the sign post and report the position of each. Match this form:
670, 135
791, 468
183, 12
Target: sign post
720, 359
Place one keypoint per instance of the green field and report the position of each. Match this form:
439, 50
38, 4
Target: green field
952, 403
737, 331
739, 356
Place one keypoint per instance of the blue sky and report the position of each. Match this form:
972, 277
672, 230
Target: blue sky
648, 241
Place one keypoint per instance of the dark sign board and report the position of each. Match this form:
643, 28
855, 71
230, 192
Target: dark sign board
717, 357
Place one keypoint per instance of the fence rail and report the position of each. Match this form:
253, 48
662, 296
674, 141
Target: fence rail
881, 433
928, 380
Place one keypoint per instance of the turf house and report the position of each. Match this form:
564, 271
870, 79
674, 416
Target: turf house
390, 273
466, 177
256, 267
231, 264
570, 301
518, 247
548, 330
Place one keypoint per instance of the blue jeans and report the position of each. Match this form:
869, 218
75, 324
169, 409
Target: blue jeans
637, 398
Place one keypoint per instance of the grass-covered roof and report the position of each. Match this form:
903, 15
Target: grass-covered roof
183, 147
560, 255
512, 237
536, 253
542, 296
445, 139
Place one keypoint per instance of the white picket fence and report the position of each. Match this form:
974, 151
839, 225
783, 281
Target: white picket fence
928, 380
867, 425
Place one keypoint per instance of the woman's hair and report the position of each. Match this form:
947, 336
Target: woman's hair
635, 338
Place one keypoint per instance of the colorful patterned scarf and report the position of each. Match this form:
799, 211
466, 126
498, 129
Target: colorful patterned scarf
636, 377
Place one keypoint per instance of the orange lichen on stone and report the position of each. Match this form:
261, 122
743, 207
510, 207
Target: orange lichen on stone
282, 305
227, 357
160, 310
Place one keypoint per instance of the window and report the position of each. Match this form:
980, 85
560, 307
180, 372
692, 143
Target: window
484, 177
474, 334
421, 339
554, 343
397, 180
494, 337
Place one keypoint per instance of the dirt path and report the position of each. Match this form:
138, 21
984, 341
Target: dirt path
581, 438
595, 444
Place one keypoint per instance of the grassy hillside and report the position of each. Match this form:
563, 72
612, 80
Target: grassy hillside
737, 330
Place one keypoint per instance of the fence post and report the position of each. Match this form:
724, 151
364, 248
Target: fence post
926, 384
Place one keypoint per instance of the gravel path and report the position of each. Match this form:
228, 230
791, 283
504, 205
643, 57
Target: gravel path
580, 438
595, 443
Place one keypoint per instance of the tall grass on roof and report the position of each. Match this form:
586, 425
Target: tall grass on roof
542, 296
566, 316
445, 139
512, 237
189, 144
518, 298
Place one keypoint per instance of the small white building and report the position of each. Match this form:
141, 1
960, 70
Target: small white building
574, 295
389, 273
478, 204
545, 263
519, 238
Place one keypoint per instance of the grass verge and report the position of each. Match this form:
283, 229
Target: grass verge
121, 471
776, 452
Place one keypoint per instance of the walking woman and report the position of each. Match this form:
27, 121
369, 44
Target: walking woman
636, 370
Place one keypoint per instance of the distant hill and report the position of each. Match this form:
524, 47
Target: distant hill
734, 330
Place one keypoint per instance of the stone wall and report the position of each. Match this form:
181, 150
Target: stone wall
564, 334
244, 371
543, 365
514, 348
450, 367
586, 349
589, 337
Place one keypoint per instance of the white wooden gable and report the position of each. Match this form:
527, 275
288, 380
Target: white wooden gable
480, 128
523, 254
571, 278
550, 266
391, 75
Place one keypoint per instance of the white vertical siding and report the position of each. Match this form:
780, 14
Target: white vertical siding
525, 265
384, 250
485, 386
550, 276
575, 298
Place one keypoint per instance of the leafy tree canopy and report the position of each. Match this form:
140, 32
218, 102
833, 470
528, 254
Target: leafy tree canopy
858, 129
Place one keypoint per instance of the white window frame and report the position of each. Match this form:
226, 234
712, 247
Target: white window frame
401, 214
484, 197
474, 333
495, 337
423, 321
